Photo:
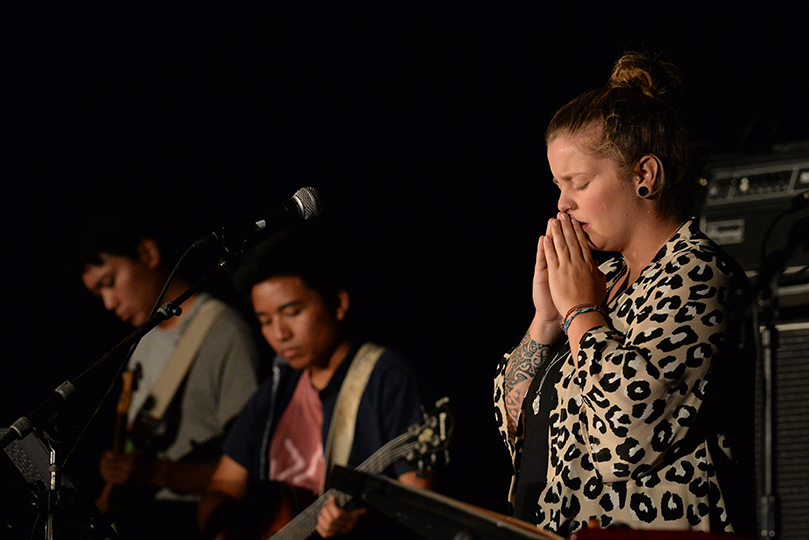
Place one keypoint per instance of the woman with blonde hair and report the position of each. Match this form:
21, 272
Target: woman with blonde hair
617, 406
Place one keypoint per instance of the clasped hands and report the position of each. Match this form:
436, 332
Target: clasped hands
565, 275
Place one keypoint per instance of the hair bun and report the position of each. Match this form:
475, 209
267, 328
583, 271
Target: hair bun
651, 76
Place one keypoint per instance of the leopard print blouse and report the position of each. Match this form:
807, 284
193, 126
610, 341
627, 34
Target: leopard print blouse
630, 440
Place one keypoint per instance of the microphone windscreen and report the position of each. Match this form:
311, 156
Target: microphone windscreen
310, 202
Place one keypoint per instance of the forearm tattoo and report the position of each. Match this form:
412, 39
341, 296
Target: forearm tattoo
521, 368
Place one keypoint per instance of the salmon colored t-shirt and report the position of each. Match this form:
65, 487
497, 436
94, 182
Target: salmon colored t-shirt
296, 451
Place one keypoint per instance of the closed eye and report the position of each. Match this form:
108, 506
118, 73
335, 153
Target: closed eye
106, 282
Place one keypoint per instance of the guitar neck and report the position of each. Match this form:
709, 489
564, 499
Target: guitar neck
417, 442
122, 411
305, 523
119, 436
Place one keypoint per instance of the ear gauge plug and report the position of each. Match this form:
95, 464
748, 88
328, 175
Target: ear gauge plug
643, 192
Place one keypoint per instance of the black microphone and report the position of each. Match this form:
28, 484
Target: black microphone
306, 203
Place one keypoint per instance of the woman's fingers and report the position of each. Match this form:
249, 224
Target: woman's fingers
560, 240
583, 242
573, 241
573, 274
549, 251
544, 243
541, 265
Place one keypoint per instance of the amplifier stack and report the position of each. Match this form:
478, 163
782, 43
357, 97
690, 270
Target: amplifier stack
744, 199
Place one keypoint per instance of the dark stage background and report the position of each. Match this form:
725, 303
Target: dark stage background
422, 126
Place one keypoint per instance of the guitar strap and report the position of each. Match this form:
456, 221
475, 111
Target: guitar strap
344, 419
177, 366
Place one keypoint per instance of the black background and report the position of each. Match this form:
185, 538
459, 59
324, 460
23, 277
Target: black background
421, 125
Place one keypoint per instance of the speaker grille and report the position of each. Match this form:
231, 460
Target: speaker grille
790, 430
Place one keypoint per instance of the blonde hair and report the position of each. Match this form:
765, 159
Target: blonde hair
637, 113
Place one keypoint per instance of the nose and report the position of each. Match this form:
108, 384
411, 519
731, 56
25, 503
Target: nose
109, 299
564, 204
279, 332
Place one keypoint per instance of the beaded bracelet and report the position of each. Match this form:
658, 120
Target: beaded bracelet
571, 310
578, 310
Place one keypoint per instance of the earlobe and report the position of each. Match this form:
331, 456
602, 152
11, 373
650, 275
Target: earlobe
149, 252
648, 171
343, 303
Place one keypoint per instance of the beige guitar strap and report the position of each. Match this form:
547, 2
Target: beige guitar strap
344, 419
177, 366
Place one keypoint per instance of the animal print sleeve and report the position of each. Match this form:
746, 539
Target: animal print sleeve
500, 404
514, 444
643, 380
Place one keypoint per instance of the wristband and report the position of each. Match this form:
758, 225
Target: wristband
571, 310
578, 310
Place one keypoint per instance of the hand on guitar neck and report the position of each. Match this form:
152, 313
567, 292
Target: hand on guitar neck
142, 467
334, 521
119, 436
420, 442
231, 487
120, 468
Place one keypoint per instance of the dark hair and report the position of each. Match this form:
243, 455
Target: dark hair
113, 230
637, 113
118, 229
301, 252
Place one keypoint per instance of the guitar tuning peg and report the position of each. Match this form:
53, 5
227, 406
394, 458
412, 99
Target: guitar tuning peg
446, 457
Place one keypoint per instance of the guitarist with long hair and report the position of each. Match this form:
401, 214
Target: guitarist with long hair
282, 445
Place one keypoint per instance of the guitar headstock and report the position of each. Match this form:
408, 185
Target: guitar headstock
432, 435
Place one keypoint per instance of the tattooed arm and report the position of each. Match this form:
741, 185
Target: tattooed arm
522, 366
534, 349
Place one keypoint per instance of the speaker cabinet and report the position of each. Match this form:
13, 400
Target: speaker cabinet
790, 431
744, 198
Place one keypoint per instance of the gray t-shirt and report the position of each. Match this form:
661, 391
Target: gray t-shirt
222, 376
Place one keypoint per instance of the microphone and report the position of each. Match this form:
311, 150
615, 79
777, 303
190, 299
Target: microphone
306, 203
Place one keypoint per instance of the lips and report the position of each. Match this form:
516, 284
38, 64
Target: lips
584, 226
291, 353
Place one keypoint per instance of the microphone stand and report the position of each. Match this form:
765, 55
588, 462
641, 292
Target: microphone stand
45, 417
231, 241
45, 414
764, 323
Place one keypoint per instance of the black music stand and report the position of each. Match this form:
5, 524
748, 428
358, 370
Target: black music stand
64, 511
429, 514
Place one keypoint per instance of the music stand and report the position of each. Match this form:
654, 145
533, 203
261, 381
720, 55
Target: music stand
430, 514
63, 508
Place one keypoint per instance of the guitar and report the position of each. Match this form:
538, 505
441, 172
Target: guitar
425, 439
119, 435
